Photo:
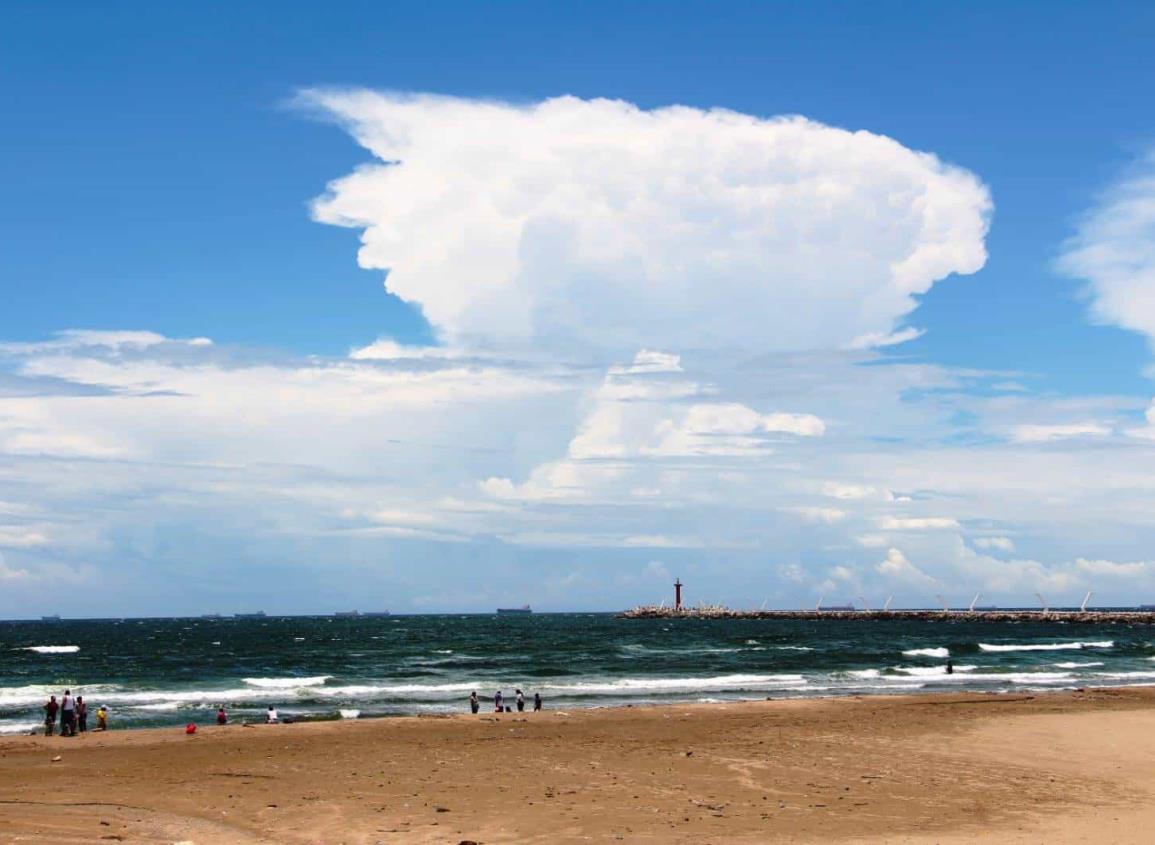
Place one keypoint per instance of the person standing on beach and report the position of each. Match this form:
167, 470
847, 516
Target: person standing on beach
474, 704
536, 701
81, 714
520, 701
68, 714
102, 718
50, 709
222, 716
497, 703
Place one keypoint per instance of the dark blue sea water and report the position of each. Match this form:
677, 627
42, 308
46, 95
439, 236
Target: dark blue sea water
171, 671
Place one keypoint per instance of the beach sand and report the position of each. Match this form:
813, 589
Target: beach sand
1060, 767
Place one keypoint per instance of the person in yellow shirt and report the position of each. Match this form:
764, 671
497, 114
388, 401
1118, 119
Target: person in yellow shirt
102, 718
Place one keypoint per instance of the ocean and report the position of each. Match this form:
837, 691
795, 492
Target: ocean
157, 672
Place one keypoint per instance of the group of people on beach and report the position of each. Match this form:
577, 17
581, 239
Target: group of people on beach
499, 705
72, 713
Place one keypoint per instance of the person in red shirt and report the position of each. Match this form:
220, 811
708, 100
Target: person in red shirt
50, 711
222, 716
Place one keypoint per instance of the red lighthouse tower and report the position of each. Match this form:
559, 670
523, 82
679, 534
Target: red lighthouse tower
678, 594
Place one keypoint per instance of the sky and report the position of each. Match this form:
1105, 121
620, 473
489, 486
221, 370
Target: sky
441, 307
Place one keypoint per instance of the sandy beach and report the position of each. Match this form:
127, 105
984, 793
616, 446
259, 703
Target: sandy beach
1061, 767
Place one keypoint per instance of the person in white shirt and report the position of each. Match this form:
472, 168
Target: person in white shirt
271, 716
68, 714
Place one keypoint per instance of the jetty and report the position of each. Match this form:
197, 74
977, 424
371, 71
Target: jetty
1083, 617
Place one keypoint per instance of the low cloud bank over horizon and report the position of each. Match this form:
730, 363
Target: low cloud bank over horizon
172, 476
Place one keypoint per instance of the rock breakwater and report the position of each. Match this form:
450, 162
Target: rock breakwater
1083, 617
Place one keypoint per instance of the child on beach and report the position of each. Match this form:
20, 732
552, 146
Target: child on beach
81, 714
222, 716
271, 717
497, 706
102, 718
536, 701
50, 709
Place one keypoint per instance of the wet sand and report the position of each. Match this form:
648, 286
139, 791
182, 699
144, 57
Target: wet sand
1061, 767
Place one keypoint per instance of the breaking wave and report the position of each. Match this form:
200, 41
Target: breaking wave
927, 652
1045, 646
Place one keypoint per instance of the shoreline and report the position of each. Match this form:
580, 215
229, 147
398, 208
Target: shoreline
931, 767
707, 702
463, 716
460, 713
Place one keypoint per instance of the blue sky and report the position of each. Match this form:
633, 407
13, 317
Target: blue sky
160, 166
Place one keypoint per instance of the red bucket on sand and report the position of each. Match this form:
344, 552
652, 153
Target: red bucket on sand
190, 728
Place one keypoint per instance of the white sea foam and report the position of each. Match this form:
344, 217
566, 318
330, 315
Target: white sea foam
287, 683
1046, 646
1018, 678
793, 648
19, 727
1124, 675
141, 698
926, 671
389, 690
629, 686
927, 652
349, 713
752, 642
1074, 665
864, 673
34, 695
53, 649
443, 651
909, 684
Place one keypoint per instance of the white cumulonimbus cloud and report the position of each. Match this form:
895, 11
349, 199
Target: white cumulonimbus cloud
598, 223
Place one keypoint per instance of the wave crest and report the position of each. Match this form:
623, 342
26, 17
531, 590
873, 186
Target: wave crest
928, 652
1045, 646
